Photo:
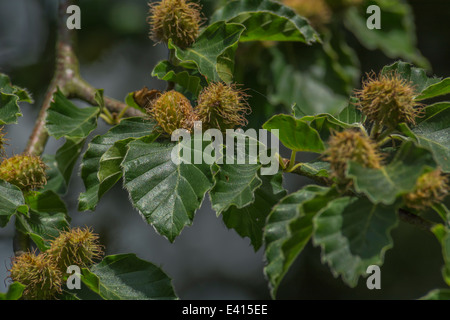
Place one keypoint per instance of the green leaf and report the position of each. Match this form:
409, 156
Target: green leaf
437, 294
433, 110
396, 38
128, 128
188, 80
351, 114
213, 52
295, 134
47, 218
110, 171
166, 194
309, 80
126, 277
443, 235
416, 76
14, 292
10, 96
433, 133
61, 165
442, 210
384, 185
316, 169
55, 179
288, 230
64, 119
325, 124
249, 221
353, 234
67, 156
11, 200
438, 89
235, 181
266, 20
235, 185
129, 100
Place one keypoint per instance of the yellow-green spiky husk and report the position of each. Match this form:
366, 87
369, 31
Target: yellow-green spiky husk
351, 145
388, 100
77, 246
222, 106
430, 189
25, 171
179, 20
39, 274
172, 111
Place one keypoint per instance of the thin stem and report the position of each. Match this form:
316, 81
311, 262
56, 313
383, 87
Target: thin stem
122, 113
385, 134
375, 130
291, 161
174, 61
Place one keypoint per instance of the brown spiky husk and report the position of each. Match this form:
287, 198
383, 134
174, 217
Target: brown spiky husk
39, 274
24, 171
222, 106
77, 246
388, 99
430, 189
351, 145
179, 20
172, 111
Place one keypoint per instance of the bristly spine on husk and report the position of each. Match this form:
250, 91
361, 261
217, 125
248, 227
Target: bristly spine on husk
222, 106
172, 111
76, 246
351, 145
24, 171
39, 274
179, 20
388, 100
431, 188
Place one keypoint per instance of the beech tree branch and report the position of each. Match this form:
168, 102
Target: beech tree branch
67, 78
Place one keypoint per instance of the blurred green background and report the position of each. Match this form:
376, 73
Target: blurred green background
207, 261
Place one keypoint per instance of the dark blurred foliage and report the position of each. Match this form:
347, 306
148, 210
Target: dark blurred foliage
207, 261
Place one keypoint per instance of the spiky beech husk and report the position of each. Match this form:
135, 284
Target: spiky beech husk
172, 111
430, 189
25, 171
351, 145
222, 106
39, 274
179, 20
388, 100
316, 11
77, 246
